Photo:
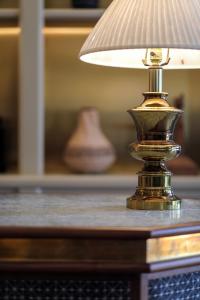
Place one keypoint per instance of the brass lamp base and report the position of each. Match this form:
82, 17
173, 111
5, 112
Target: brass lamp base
153, 204
154, 192
150, 202
155, 122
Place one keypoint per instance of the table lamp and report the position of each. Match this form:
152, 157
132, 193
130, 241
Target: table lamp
156, 35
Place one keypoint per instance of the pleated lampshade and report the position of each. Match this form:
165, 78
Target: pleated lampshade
129, 27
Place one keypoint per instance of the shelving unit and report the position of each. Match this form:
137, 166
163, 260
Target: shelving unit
58, 18
31, 104
31, 136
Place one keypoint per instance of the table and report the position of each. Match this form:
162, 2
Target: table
88, 246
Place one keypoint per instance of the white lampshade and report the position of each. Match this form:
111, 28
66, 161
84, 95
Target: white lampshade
129, 27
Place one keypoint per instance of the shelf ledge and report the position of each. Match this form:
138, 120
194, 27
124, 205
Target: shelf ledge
184, 185
73, 15
57, 15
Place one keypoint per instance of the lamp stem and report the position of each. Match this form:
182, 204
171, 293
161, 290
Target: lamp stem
155, 79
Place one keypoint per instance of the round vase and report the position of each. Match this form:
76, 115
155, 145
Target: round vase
88, 150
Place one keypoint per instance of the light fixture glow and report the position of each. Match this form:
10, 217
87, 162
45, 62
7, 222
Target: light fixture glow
6, 31
132, 58
9, 31
67, 30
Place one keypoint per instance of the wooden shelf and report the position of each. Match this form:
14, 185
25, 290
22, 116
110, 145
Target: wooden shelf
185, 186
55, 16
72, 15
9, 17
6, 14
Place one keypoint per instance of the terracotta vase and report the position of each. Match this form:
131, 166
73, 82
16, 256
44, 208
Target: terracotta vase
89, 150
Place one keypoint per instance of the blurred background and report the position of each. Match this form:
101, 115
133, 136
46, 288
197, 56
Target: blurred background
71, 85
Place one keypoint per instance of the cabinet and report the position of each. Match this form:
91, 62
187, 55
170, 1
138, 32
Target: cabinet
88, 246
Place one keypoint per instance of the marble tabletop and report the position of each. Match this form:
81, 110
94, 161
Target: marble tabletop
88, 210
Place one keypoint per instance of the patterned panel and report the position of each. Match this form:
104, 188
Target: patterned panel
64, 290
178, 287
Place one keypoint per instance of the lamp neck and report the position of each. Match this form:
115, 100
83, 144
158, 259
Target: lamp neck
155, 80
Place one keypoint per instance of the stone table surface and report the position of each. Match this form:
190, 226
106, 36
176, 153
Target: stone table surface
88, 210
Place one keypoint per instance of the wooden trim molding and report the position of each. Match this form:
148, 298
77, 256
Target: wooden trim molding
99, 232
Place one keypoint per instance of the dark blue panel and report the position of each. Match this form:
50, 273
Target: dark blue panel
178, 287
64, 290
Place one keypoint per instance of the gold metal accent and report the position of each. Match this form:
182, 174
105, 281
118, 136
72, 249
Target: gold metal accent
155, 122
72, 250
155, 57
94, 251
155, 80
165, 248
